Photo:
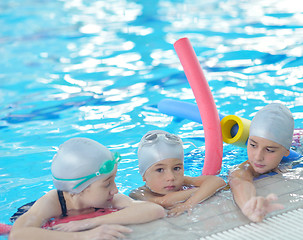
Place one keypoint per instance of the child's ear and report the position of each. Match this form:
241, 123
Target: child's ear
287, 153
144, 179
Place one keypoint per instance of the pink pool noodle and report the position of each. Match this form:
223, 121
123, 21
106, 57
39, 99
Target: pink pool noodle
4, 228
206, 104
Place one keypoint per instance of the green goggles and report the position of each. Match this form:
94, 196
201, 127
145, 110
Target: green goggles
106, 167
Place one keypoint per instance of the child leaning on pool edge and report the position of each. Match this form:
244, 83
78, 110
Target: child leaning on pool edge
270, 138
160, 156
84, 174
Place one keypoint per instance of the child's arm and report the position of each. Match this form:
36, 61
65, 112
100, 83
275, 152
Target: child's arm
244, 192
210, 184
241, 184
99, 233
132, 212
206, 187
167, 201
28, 226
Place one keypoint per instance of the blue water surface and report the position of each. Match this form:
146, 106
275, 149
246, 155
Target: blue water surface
97, 69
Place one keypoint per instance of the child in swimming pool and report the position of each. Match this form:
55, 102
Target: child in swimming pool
84, 175
160, 156
270, 137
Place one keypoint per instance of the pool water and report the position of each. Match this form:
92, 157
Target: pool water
97, 69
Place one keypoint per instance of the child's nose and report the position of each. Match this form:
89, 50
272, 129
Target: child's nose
259, 155
170, 175
114, 189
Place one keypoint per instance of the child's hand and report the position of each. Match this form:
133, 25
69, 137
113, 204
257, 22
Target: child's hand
107, 232
257, 207
180, 208
74, 226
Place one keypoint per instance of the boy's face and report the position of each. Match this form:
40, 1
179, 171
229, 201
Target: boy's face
264, 155
165, 176
100, 193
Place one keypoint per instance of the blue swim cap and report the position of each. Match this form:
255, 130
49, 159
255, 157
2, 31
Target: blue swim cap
274, 122
79, 162
158, 145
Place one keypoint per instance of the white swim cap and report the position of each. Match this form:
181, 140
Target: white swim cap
274, 122
79, 162
156, 146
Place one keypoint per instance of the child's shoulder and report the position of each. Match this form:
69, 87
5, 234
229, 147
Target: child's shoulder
243, 170
43, 209
49, 197
48, 202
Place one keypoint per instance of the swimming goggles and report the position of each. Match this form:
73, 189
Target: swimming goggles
105, 168
154, 137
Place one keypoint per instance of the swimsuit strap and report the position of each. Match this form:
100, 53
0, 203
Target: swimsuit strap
62, 203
